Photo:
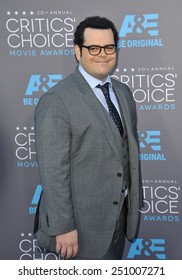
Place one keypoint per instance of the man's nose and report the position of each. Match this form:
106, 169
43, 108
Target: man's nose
102, 52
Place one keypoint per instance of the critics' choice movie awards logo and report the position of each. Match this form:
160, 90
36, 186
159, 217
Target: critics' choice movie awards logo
25, 147
44, 33
161, 200
147, 248
29, 250
37, 85
153, 88
140, 30
150, 145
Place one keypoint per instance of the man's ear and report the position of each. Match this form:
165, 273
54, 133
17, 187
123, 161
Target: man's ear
77, 52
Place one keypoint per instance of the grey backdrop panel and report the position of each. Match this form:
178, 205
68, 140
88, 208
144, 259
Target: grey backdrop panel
36, 51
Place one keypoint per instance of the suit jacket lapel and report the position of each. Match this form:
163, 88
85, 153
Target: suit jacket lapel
105, 123
124, 106
104, 120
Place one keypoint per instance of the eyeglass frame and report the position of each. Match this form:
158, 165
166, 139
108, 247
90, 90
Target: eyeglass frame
88, 48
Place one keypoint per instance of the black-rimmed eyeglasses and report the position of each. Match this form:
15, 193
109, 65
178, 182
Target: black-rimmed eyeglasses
95, 50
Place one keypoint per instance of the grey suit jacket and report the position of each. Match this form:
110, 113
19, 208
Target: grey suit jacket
79, 156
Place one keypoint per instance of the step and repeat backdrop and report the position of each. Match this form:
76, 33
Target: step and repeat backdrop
36, 52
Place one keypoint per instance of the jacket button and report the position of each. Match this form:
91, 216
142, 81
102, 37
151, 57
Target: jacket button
119, 174
115, 202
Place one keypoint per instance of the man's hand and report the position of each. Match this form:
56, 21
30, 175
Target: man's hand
67, 244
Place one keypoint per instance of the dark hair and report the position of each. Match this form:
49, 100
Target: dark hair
94, 22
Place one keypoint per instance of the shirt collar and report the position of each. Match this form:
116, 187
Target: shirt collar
92, 81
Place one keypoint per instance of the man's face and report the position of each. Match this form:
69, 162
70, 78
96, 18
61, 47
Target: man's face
101, 65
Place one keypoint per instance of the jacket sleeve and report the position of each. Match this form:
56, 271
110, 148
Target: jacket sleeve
53, 150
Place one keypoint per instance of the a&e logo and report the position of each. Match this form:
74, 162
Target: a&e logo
35, 200
150, 141
39, 84
141, 24
151, 248
151, 138
145, 25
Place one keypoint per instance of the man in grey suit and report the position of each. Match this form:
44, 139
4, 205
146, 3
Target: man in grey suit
88, 154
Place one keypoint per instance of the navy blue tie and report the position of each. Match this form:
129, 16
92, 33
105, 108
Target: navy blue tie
112, 109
